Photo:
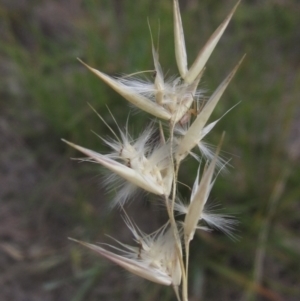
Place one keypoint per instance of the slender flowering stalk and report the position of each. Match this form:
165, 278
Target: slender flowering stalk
153, 164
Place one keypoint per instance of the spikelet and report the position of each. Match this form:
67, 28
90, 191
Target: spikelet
199, 198
223, 222
190, 75
197, 130
154, 257
143, 165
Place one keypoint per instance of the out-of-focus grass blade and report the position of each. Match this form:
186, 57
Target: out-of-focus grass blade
241, 280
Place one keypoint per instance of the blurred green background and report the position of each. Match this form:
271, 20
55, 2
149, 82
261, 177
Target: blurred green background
45, 197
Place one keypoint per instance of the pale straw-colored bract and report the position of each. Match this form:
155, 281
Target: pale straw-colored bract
153, 164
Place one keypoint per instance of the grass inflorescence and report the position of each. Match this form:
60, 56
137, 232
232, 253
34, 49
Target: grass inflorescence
153, 165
